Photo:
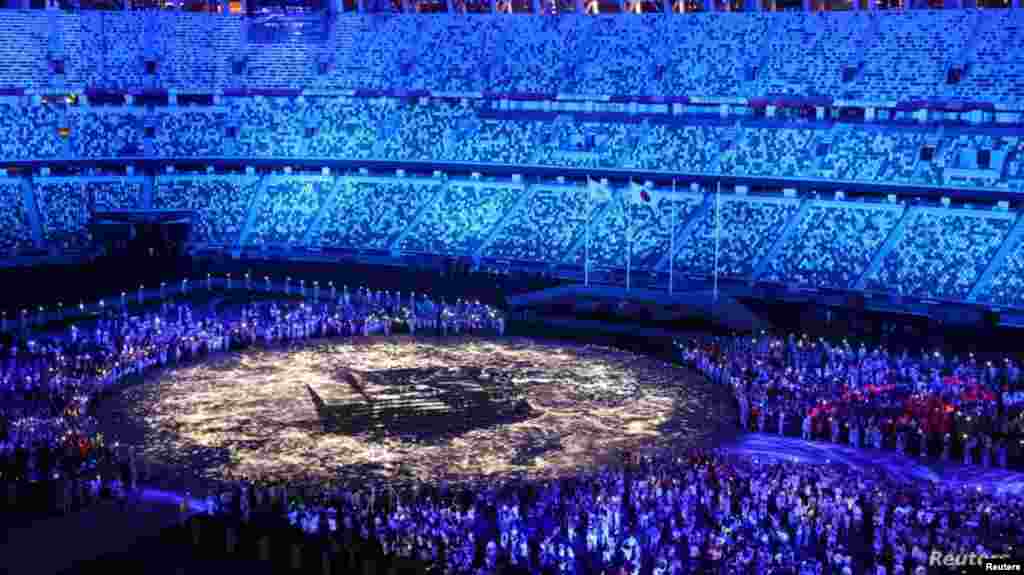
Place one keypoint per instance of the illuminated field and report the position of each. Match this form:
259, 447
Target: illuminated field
249, 413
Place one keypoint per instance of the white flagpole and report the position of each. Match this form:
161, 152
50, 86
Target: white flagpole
586, 261
672, 238
718, 232
629, 236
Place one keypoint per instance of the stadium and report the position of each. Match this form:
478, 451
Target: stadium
512, 286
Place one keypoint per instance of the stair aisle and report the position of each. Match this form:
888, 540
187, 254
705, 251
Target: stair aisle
890, 243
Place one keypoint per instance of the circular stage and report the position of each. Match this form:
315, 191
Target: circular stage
400, 408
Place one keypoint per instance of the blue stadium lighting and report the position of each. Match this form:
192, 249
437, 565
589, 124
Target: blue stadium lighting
639, 159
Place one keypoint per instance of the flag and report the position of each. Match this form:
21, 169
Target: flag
638, 194
598, 192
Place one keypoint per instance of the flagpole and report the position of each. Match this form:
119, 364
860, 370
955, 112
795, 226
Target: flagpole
718, 232
672, 238
586, 261
629, 237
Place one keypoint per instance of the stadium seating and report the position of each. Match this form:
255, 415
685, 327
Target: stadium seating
190, 131
582, 144
643, 227
105, 133
371, 214
30, 132
23, 49
288, 209
63, 212
437, 130
692, 149
893, 56
506, 140
113, 194
610, 56
270, 127
749, 227
366, 52
461, 220
196, 49
112, 50
346, 128
877, 155
221, 203
898, 56
909, 56
432, 131
768, 152
1007, 284
832, 245
848, 157
941, 254
553, 44
15, 230
1015, 167
807, 54
996, 74
289, 65
543, 228
708, 55
462, 47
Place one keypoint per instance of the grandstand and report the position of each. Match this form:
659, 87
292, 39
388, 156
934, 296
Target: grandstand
518, 126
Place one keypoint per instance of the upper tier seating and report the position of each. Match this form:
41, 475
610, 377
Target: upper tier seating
911, 53
898, 55
196, 49
288, 65
553, 44
996, 73
708, 54
23, 49
113, 53
807, 54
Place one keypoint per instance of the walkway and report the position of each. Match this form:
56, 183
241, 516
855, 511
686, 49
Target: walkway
67, 544
769, 446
